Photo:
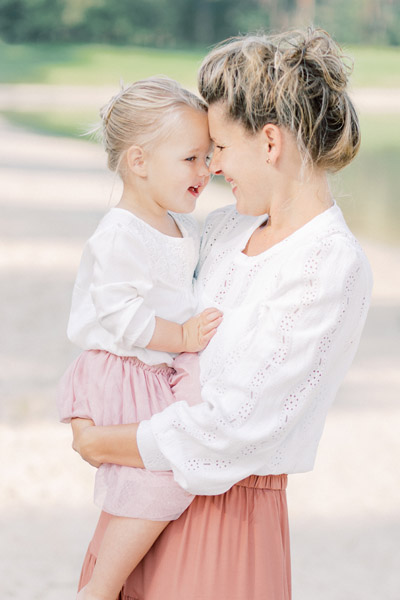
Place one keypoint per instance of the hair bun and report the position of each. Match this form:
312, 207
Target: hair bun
317, 51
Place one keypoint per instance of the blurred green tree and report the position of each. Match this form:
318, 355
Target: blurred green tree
31, 20
193, 22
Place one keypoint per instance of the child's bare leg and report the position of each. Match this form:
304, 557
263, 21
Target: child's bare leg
125, 543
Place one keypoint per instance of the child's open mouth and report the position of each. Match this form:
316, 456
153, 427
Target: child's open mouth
194, 190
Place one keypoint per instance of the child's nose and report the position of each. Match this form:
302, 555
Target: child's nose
213, 166
204, 169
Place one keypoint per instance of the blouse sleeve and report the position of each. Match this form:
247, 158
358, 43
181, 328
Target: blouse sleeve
120, 282
270, 400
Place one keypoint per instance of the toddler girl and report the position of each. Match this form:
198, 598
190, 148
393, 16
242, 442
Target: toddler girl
133, 305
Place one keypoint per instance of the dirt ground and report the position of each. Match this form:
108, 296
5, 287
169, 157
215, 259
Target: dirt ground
345, 518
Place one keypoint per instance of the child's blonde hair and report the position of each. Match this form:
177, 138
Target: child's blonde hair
142, 114
297, 80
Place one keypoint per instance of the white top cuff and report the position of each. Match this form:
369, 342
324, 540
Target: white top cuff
148, 449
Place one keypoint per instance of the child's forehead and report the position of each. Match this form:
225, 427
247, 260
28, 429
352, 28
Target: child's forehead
191, 114
196, 141
190, 126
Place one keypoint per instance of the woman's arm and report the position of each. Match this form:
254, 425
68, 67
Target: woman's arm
112, 444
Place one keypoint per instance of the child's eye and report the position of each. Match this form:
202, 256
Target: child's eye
208, 159
191, 158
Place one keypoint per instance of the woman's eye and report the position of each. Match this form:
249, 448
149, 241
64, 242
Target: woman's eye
220, 148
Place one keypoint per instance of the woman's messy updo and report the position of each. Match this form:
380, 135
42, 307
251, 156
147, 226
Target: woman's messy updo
142, 114
296, 80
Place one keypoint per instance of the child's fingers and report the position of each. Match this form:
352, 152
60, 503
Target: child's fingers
207, 337
210, 314
210, 325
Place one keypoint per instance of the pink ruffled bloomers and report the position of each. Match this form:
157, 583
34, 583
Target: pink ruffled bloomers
113, 390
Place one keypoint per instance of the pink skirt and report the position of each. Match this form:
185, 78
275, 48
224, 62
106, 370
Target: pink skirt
234, 546
113, 390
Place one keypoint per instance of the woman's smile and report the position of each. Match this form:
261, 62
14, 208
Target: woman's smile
231, 183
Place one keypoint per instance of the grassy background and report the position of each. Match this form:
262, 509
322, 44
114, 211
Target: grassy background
76, 64
99, 64
368, 189
65, 123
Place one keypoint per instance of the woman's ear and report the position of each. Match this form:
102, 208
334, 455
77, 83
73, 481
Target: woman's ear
135, 161
273, 142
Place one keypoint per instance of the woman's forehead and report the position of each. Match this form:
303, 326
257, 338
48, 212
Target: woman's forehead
218, 120
221, 125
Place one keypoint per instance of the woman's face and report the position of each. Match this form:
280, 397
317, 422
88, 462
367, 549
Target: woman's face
241, 158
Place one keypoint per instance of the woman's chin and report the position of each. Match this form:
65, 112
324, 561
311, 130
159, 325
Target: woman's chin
244, 208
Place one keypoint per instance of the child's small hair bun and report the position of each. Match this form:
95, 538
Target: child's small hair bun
106, 110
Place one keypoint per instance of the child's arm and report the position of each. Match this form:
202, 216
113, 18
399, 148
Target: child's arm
192, 336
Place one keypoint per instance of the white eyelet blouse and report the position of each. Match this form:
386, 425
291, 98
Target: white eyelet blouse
293, 317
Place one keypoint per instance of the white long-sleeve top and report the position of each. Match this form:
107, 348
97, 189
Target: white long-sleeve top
130, 273
293, 317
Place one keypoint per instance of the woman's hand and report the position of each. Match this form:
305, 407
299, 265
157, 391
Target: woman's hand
110, 444
83, 431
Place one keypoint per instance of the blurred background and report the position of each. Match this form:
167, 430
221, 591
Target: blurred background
60, 60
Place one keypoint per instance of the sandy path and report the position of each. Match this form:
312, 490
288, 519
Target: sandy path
41, 96
344, 515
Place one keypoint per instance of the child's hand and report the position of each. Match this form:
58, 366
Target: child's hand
199, 330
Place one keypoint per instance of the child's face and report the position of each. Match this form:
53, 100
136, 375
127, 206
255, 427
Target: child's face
177, 169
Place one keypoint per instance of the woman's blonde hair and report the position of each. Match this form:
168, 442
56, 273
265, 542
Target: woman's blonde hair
142, 114
297, 80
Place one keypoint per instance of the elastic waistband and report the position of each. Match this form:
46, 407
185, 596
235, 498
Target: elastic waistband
163, 368
265, 482
133, 360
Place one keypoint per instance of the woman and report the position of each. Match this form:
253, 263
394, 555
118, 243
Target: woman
294, 287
